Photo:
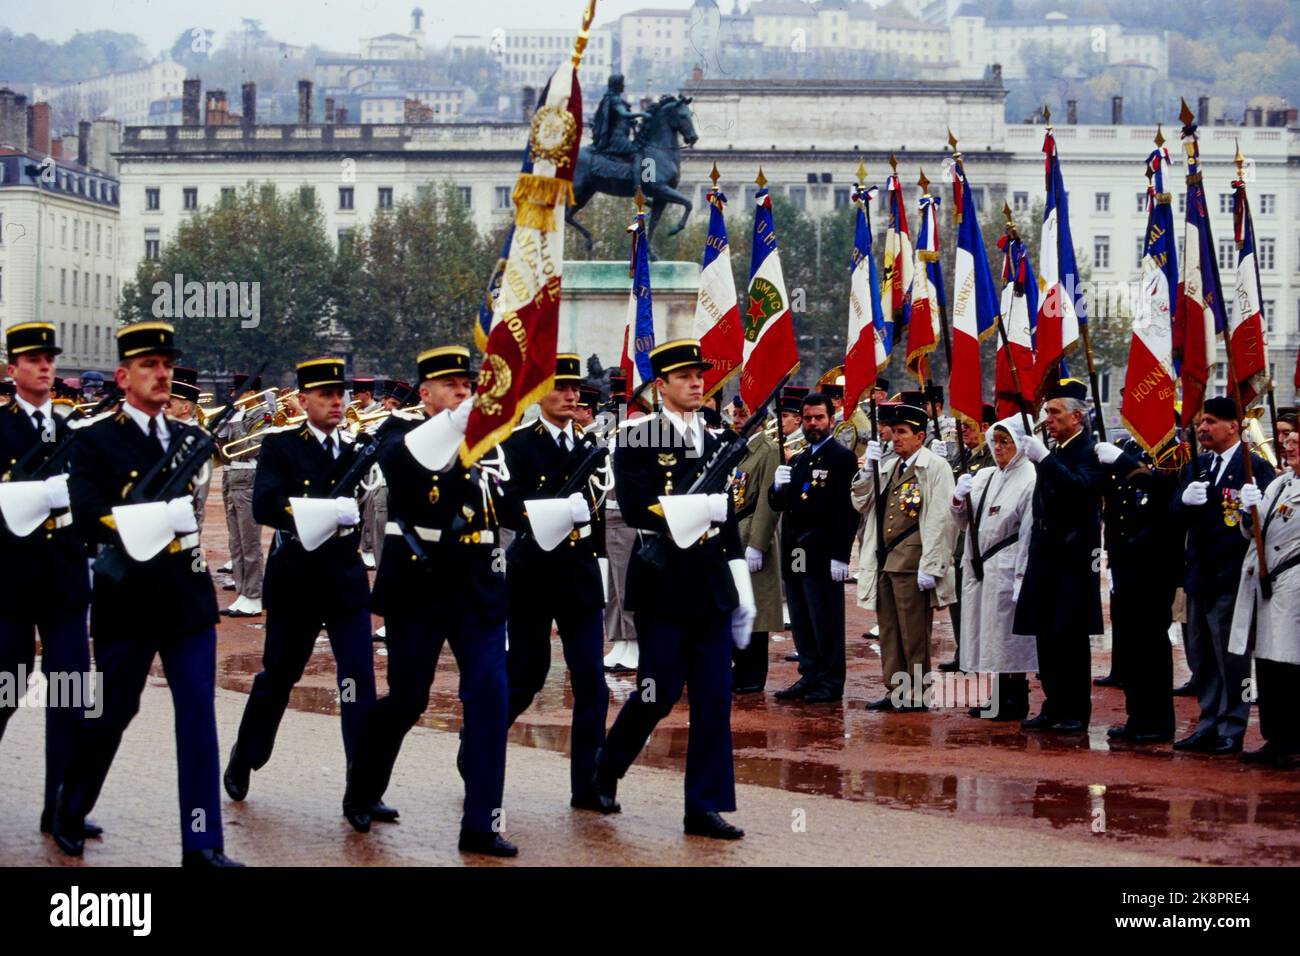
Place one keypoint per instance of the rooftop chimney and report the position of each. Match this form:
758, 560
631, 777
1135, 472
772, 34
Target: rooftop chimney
215, 108
1117, 110
1202, 111
341, 115
329, 109
997, 73
697, 73
1072, 112
304, 102
56, 148
190, 92
105, 139
14, 122
248, 94
83, 144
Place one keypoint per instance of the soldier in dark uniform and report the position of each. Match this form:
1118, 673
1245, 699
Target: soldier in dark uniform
172, 587
184, 401
1060, 597
1141, 534
818, 527
558, 583
978, 456
314, 576
689, 609
43, 583
442, 579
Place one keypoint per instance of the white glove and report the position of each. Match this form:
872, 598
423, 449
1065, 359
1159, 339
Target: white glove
1107, 453
347, 512
963, 486
718, 507
940, 448
754, 558
56, 491
578, 509
782, 477
460, 416
924, 581
742, 618
839, 571
875, 451
1251, 496
180, 511
1035, 450
1196, 493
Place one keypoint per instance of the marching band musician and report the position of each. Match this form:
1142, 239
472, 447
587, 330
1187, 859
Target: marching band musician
243, 532
620, 538
314, 577
442, 581
181, 407
163, 571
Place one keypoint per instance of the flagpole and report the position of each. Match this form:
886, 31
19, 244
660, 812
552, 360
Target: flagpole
1249, 219
861, 201
924, 183
1002, 331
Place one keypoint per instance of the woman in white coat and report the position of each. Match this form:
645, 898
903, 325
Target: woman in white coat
1271, 628
993, 564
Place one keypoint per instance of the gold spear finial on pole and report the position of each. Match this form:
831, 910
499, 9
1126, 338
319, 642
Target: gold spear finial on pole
893, 163
1185, 114
923, 183
760, 180
1047, 115
862, 172
580, 44
714, 175
640, 201
1160, 135
1239, 159
1011, 222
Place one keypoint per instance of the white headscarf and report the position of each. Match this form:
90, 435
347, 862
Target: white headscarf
1014, 427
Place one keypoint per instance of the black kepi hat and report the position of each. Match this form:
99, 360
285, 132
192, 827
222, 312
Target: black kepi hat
30, 337
185, 383
677, 354
443, 360
146, 338
320, 372
568, 368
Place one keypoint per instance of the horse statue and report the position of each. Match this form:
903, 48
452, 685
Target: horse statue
656, 173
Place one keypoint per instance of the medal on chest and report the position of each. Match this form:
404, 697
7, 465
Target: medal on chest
909, 498
1231, 507
434, 492
739, 487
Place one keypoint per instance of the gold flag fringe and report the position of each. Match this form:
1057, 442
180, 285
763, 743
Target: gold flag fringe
536, 197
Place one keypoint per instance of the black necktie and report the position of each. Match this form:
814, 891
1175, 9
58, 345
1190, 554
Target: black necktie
155, 437
563, 441
1214, 469
329, 445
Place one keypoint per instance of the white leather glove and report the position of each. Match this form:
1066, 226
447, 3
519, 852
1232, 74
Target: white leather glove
460, 416
963, 486
1106, 452
718, 507
782, 477
924, 581
875, 451
180, 511
56, 491
742, 618
1196, 493
1251, 496
839, 571
578, 509
347, 512
1035, 450
940, 448
754, 558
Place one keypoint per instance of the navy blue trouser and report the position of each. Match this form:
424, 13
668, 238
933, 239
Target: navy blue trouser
414, 644
582, 634
190, 665
673, 655
65, 657
290, 639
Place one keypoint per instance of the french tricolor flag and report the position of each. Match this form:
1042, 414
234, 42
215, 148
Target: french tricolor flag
1060, 311
867, 354
639, 332
927, 291
717, 314
896, 280
1019, 314
770, 350
1246, 324
974, 305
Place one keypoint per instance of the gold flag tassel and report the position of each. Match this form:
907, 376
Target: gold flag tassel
536, 197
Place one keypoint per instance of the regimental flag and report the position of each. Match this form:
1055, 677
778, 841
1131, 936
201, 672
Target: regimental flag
1201, 314
717, 313
867, 354
492, 295
639, 332
1147, 408
1246, 324
927, 298
519, 341
896, 279
1019, 317
770, 350
974, 304
1060, 309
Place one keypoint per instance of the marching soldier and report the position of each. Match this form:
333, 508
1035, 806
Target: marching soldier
184, 401
442, 581
557, 581
588, 401
364, 402
172, 586
978, 456
314, 577
243, 532
791, 415
690, 606
43, 583
757, 524
620, 540
818, 527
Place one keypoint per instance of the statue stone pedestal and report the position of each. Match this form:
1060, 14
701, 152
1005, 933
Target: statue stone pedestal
594, 298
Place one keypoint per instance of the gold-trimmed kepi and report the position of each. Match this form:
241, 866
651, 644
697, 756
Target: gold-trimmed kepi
185, 383
1068, 388
31, 337
832, 382
913, 415
320, 372
147, 338
444, 360
677, 354
568, 367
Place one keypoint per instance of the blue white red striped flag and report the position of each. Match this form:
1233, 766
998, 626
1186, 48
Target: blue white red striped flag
866, 354
717, 311
639, 332
974, 305
770, 350
1060, 310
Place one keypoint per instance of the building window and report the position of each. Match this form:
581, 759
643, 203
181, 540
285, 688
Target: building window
306, 197
1101, 252
97, 284
345, 240
502, 202
842, 196
1225, 203
798, 196
385, 197
1268, 254
76, 274
466, 196
76, 233
977, 198
99, 237
108, 241
1267, 308
190, 195
1102, 202
1267, 204
151, 199
1182, 203
227, 195
345, 197
1226, 258
152, 250
1141, 251
1141, 202
87, 235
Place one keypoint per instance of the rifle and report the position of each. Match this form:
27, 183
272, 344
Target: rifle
712, 474
592, 459
31, 467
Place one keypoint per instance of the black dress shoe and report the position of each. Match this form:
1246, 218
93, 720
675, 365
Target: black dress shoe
491, 844
66, 828
1224, 746
711, 825
1110, 680
748, 689
911, 708
208, 858
228, 587
89, 828
885, 703
1120, 733
800, 688
236, 777
1041, 722
1152, 737
381, 812
1187, 690
949, 667
596, 801
359, 817
793, 658
1069, 727
823, 695
1199, 742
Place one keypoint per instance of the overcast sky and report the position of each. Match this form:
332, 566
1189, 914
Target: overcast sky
333, 24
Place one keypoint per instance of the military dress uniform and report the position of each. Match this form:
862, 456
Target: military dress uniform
306, 590
757, 524
453, 590
561, 586
165, 606
185, 385
244, 534
44, 587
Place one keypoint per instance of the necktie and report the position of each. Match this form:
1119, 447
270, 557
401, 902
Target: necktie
155, 437
329, 446
1214, 469
563, 441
